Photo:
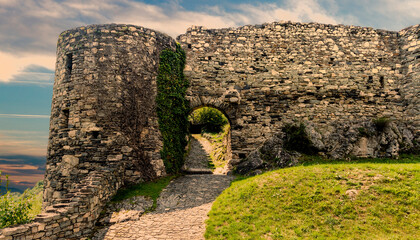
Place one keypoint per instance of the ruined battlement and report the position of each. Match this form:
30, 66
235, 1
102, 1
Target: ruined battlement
104, 130
265, 75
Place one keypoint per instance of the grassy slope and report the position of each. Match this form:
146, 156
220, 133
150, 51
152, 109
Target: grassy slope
36, 199
148, 189
338, 201
219, 149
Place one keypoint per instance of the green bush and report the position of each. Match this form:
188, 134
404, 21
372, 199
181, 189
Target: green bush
14, 209
297, 139
381, 123
211, 119
172, 108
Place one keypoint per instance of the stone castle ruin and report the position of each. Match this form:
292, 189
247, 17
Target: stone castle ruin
336, 79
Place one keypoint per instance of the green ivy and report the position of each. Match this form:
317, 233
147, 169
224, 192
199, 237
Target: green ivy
172, 108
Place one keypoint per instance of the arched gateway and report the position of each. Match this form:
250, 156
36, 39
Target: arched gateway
103, 117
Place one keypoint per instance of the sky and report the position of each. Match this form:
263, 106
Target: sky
29, 31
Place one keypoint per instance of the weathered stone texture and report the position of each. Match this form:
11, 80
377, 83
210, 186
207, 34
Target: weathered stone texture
409, 42
98, 67
265, 75
105, 84
104, 131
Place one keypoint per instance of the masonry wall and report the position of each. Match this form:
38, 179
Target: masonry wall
103, 127
263, 76
104, 90
104, 131
409, 42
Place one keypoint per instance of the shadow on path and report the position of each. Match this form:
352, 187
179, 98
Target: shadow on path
199, 153
182, 206
192, 191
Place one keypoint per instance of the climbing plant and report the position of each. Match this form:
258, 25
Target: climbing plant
172, 108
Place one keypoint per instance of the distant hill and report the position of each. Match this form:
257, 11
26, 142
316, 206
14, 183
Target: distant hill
23, 159
3, 190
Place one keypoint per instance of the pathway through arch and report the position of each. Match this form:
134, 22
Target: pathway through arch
182, 206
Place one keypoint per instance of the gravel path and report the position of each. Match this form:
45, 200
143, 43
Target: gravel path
182, 206
199, 154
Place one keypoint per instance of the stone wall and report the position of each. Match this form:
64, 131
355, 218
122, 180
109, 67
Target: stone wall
104, 131
103, 126
263, 76
410, 61
70, 218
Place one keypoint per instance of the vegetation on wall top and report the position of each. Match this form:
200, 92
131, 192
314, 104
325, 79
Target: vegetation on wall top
209, 119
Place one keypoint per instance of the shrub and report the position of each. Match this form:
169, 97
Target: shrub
211, 119
381, 123
297, 140
172, 108
14, 209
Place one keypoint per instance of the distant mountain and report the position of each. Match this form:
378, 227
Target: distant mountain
23, 159
3, 190
15, 160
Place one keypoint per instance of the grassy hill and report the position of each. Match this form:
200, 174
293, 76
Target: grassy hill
327, 201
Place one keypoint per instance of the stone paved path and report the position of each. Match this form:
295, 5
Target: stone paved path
182, 207
199, 154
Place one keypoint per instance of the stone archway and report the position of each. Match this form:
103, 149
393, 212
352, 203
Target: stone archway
227, 103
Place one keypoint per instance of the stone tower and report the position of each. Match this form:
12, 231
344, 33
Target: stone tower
102, 115
103, 126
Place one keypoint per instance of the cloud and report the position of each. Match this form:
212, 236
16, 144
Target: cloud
292, 10
403, 8
34, 74
17, 143
35, 24
403, 12
22, 68
37, 161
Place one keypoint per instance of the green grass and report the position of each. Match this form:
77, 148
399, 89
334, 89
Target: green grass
35, 194
325, 201
147, 189
19, 208
219, 149
307, 160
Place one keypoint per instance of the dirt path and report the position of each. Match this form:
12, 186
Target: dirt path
182, 206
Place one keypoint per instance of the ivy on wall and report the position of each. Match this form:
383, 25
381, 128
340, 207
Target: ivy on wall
172, 108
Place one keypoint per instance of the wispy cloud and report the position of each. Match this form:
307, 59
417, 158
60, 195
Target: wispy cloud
297, 11
13, 144
34, 74
26, 68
